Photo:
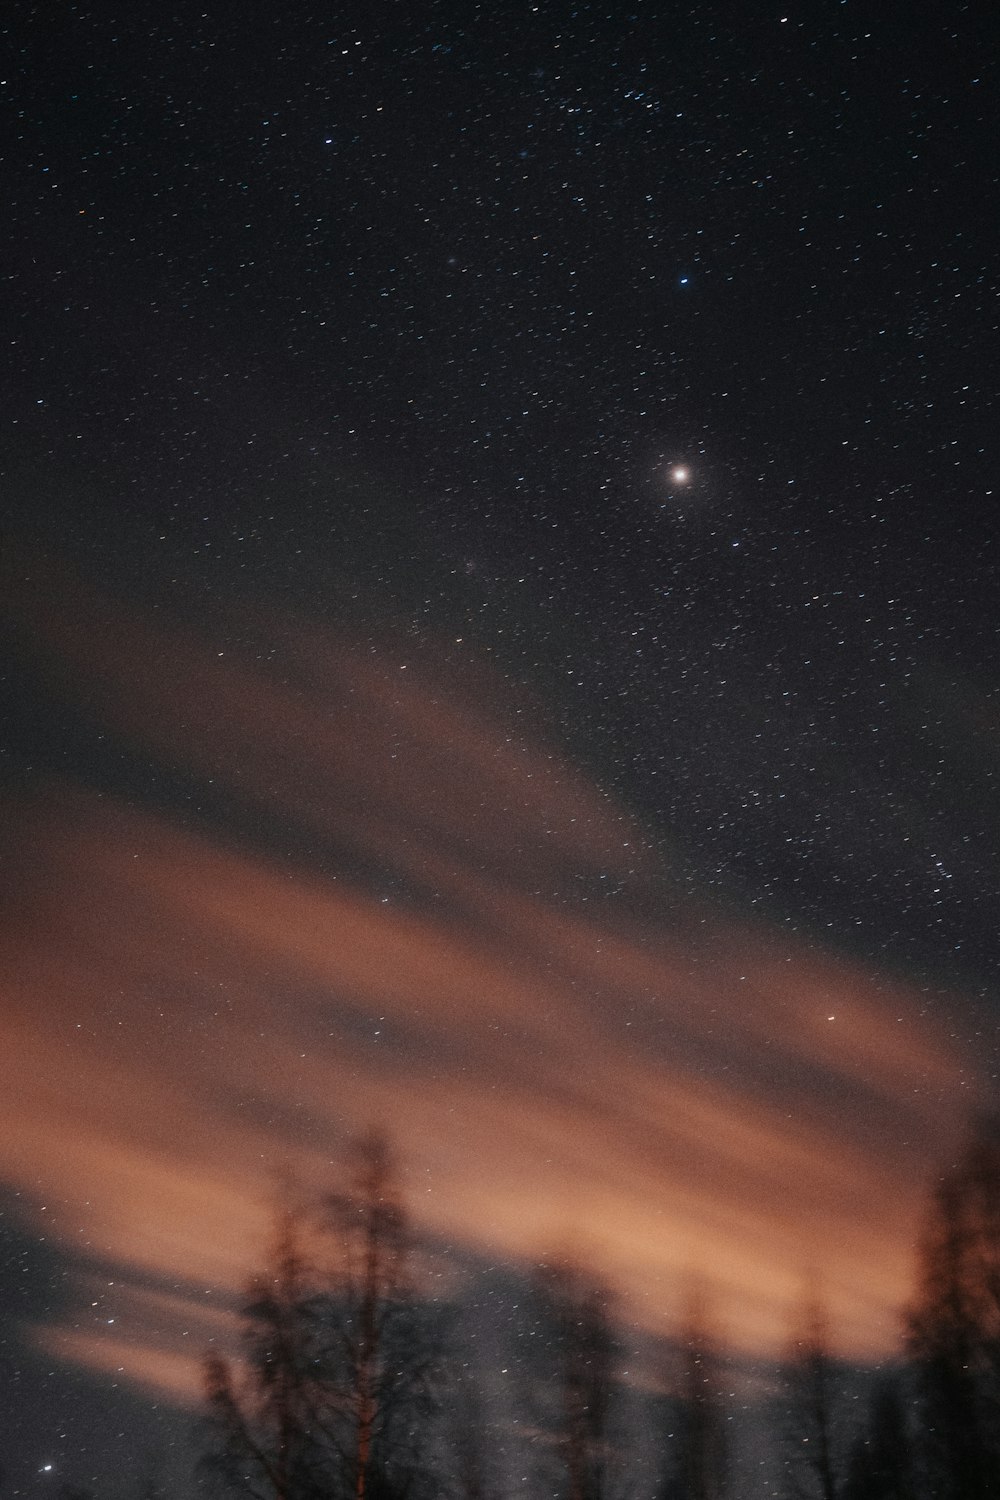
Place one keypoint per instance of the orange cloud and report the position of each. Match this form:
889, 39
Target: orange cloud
188, 1012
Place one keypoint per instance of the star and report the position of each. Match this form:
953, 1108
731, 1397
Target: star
679, 474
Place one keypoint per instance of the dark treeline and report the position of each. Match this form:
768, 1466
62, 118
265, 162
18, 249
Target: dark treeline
355, 1382
374, 1367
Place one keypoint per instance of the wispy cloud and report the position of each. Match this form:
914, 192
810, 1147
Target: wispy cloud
413, 908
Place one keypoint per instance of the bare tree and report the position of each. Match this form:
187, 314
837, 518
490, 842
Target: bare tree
811, 1417
954, 1327
380, 1350
472, 1477
333, 1392
881, 1465
579, 1379
698, 1462
263, 1412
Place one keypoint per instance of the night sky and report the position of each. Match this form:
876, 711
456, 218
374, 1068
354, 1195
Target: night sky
500, 621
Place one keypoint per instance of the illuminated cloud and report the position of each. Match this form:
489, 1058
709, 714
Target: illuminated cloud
191, 1010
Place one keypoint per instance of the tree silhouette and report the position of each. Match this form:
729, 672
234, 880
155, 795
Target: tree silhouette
472, 1479
881, 1466
811, 1422
698, 1465
380, 1350
335, 1386
264, 1415
954, 1328
579, 1383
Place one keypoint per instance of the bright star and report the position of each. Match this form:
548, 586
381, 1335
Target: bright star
680, 475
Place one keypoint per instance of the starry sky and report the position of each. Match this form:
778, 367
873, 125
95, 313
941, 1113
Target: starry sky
500, 639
